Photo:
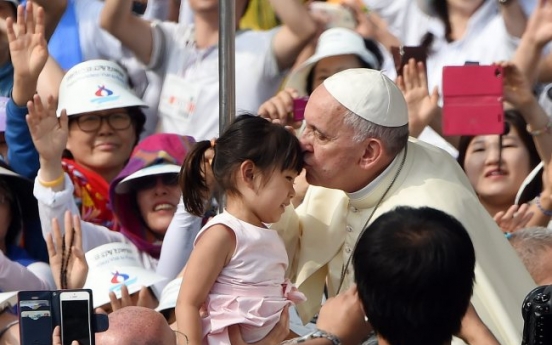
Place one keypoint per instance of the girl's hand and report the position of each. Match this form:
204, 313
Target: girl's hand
422, 106
48, 132
515, 218
28, 49
67, 248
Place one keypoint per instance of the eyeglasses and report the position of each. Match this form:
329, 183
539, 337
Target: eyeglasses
92, 122
148, 182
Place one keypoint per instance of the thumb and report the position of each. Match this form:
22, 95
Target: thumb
435, 95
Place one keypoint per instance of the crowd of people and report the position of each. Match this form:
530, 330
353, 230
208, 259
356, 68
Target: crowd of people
362, 222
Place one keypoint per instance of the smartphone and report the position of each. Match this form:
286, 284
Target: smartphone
35, 317
75, 315
472, 100
139, 7
402, 54
299, 105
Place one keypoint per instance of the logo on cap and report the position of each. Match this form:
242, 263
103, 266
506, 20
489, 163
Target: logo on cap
103, 95
121, 279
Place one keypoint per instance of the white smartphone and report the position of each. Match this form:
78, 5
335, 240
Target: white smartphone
75, 311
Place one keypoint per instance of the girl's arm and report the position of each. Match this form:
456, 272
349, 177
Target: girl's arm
212, 251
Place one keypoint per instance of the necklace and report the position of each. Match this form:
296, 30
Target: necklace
346, 265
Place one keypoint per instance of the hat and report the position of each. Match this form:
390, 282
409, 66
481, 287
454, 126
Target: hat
369, 94
125, 184
113, 265
3, 105
169, 295
332, 42
95, 85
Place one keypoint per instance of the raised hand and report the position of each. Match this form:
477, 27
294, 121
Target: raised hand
515, 218
28, 49
67, 259
422, 106
517, 89
539, 26
144, 298
279, 108
49, 132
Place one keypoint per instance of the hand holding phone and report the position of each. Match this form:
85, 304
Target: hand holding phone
472, 100
402, 54
299, 105
76, 314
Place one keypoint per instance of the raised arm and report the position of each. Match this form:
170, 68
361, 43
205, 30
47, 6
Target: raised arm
134, 32
514, 17
53, 10
537, 34
298, 28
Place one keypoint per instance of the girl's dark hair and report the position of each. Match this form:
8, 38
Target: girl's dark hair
269, 146
513, 118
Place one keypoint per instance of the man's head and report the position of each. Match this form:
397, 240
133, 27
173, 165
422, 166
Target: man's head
414, 270
534, 247
136, 325
356, 123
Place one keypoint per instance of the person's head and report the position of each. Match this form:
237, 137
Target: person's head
497, 184
136, 325
145, 194
414, 270
17, 205
337, 49
534, 247
105, 117
356, 124
253, 159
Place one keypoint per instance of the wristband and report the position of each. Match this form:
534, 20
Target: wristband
54, 183
544, 211
537, 132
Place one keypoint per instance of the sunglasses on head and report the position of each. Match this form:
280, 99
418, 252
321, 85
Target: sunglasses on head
148, 182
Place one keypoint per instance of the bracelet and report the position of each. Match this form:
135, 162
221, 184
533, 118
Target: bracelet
537, 132
544, 211
54, 183
7, 327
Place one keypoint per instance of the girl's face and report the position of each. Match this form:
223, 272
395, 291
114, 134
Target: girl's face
157, 197
493, 184
102, 146
272, 195
329, 66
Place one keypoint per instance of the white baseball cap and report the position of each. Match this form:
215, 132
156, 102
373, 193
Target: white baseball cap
169, 295
113, 265
95, 85
158, 169
332, 42
369, 94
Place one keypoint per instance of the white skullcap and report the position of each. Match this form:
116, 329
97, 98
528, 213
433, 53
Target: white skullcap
369, 94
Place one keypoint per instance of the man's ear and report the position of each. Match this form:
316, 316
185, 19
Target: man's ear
373, 152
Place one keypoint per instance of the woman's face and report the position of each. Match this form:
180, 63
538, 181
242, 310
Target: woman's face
157, 198
105, 149
329, 66
497, 185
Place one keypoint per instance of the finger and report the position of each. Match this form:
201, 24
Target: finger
40, 26
115, 303
511, 212
64, 121
38, 106
435, 95
406, 76
400, 84
143, 297
10, 30
268, 110
50, 247
499, 216
125, 297
413, 73
422, 78
282, 111
20, 20
77, 233
56, 232
100, 311
29, 17
287, 99
68, 230
74, 342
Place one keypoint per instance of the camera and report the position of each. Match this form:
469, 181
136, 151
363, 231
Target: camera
537, 316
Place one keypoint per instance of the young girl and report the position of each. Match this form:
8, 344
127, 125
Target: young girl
237, 266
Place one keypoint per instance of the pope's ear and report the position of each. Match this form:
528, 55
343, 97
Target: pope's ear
372, 154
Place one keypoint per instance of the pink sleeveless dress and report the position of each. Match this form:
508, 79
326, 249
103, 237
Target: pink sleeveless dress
251, 289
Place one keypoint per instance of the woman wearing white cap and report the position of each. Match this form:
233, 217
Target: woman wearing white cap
337, 49
89, 144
